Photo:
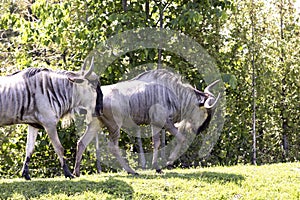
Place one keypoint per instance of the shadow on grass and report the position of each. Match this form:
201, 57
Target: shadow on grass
222, 177
210, 177
35, 189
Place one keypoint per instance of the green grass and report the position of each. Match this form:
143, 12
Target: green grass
276, 181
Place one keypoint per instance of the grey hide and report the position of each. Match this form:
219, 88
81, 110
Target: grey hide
40, 97
158, 98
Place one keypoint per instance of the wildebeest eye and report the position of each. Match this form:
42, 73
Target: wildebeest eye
76, 80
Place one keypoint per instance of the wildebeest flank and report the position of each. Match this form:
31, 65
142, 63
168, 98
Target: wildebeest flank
143, 104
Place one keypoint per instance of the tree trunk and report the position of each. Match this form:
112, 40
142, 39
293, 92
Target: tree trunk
124, 4
163, 132
283, 90
253, 87
98, 156
147, 10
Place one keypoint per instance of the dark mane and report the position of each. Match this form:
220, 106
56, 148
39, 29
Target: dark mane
164, 77
68, 73
159, 75
14, 73
33, 71
30, 72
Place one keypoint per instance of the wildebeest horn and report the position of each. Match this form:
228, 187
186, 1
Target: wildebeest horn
91, 69
206, 104
207, 89
83, 67
211, 96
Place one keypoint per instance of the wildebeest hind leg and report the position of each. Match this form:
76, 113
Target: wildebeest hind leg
114, 148
31, 138
141, 150
52, 132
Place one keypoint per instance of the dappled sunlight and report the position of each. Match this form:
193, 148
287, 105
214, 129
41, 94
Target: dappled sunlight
277, 181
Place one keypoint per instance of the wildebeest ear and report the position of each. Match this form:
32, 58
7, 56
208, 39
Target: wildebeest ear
76, 80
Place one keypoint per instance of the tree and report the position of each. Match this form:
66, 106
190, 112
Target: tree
60, 34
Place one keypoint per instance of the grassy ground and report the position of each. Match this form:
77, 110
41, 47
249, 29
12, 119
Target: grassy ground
277, 181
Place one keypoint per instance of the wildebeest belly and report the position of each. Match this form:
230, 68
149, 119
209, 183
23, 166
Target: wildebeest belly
153, 103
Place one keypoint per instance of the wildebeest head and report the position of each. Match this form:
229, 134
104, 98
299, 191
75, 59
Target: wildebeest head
205, 108
89, 89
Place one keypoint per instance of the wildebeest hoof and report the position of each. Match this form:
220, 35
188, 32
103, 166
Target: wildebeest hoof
25, 173
70, 176
169, 167
133, 173
67, 172
76, 174
26, 176
159, 171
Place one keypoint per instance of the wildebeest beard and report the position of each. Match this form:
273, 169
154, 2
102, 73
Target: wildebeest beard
205, 124
99, 102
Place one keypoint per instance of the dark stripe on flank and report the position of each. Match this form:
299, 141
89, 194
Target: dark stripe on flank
51, 90
41, 86
28, 95
22, 112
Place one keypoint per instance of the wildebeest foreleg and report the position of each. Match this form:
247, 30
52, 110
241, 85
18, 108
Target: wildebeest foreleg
156, 144
180, 140
31, 138
83, 142
58, 148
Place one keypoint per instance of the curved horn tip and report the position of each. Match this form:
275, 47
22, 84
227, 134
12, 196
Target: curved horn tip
214, 83
83, 67
206, 104
206, 90
92, 62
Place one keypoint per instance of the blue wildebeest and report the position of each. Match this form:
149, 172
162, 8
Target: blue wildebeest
158, 98
40, 97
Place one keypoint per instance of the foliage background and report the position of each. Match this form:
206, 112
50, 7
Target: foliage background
255, 44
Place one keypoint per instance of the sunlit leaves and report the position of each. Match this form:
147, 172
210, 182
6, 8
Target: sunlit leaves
59, 34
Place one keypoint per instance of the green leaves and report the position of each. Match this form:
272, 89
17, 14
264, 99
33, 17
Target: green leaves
230, 80
59, 34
